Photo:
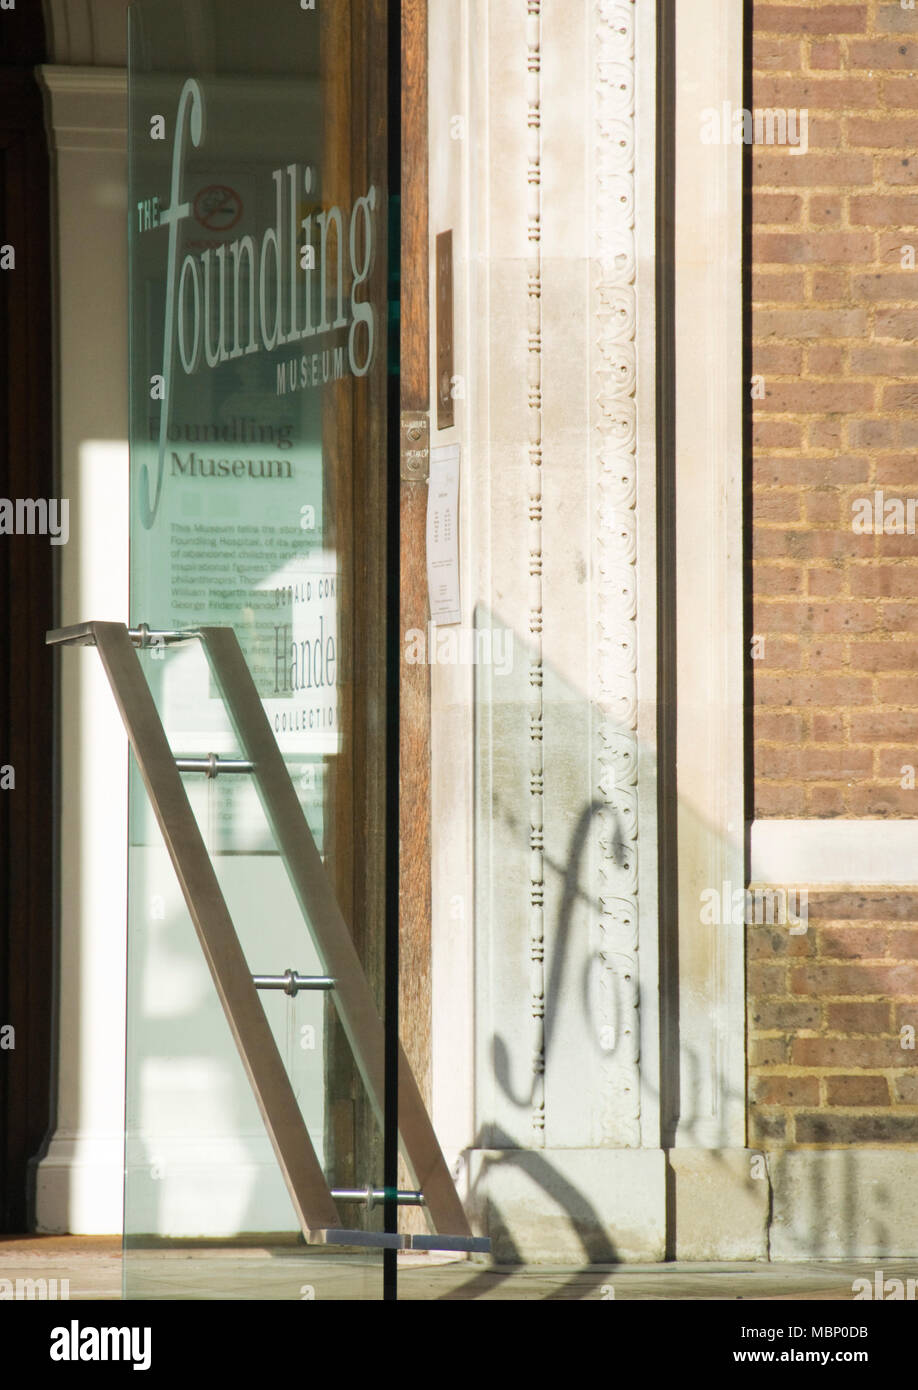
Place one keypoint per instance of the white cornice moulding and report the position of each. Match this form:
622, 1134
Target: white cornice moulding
87, 107
86, 31
834, 852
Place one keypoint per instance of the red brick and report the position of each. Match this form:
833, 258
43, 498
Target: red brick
830, 285
828, 728
899, 91
901, 397
772, 168
803, 692
849, 1052
883, 54
885, 656
906, 1089
771, 288
824, 433
772, 799
822, 583
777, 208
776, 763
893, 323
811, 472
781, 654
824, 132
821, 508
800, 617
889, 763
809, 19
881, 802
872, 434
766, 978
816, 93
769, 52
826, 54
884, 580
858, 1018
823, 801
900, 471
785, 1090
827, 654
835, 764
777, 579
886, 286
780, 359
823, 359
873, 905
899, 172
856, 1129
884, 210
880, 134
769, 505
825, 209
853, 979
768, 1128
840, 545
893, 17
777, 727
884, 727
799, 398
785, 1015
777, 434
902, 944
905, 546
807, 324
852, 943
767, 1052
898, 250
884, 361
857, 1090
896, 690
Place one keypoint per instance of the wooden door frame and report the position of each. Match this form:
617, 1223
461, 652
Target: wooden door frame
414, 820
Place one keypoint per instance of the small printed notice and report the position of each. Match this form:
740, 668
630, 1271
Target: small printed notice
443, 536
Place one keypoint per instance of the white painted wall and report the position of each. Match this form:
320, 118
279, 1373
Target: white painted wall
79, 1185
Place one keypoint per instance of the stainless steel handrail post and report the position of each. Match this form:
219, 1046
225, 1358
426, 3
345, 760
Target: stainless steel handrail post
229, 969
310, 882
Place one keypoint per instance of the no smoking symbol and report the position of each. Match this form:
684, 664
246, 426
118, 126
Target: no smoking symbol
218, 208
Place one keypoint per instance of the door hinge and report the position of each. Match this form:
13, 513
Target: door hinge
414, 453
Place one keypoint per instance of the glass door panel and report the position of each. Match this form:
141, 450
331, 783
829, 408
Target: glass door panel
258, 208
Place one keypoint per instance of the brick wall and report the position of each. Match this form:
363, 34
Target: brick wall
834, 320
827, 1064
835, 337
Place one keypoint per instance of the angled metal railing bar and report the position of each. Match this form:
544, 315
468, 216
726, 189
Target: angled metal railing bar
310, 882
296, 1157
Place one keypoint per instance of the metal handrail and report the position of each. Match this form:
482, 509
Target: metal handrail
235, 985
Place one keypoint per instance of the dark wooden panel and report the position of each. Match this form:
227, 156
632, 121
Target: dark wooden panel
444, 383
27, 845
415, 312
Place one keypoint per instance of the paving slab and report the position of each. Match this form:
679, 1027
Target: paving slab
93, 1268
